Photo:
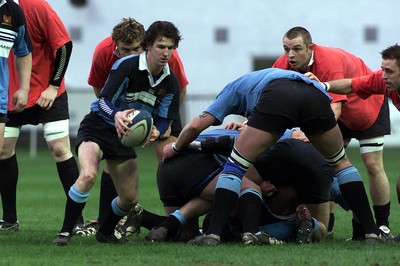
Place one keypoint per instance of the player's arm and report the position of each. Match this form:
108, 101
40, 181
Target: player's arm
96, 91
24, 68
189, 133
63, 54
339, 86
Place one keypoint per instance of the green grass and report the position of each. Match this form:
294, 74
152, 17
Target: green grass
41, 207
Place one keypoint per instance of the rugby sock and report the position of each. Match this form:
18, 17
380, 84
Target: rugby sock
68, 173
355, 195
249, 210
331, 222
8, 188
358, 232
382, 213
76, 201
107, 194
224, 201
114, 216
150, 220
227, 191
353, 191
315, 226
173, 224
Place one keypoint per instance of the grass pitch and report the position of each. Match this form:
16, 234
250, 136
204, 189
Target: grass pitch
41, 208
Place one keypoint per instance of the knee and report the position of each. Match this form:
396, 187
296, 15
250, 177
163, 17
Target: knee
373, 167
8, 149
61, 149
87, 179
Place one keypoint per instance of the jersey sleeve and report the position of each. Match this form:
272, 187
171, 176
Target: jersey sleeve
176, 65
98, 71
53, 28
365, 86
224, 105
22, 45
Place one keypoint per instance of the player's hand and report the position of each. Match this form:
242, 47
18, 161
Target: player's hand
299, 134
234, 126
47, 97
267, 189
311, 76
155, 134
20, 99
121, 120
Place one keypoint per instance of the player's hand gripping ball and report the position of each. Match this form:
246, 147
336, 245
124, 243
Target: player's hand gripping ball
140, 128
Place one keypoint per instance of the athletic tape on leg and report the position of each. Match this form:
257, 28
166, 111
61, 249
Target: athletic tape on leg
335, 159
371, 145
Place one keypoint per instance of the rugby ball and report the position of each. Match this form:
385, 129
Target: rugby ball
139, 128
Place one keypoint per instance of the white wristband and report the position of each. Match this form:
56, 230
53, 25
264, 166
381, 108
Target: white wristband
326, 85
174, 148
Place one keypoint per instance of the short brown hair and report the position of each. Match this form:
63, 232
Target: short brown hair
392, 52
160, 29
128, 31
299, 31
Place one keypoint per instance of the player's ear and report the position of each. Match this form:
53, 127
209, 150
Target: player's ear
311, 47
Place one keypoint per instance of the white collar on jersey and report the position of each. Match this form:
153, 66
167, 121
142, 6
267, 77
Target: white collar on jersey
143, 66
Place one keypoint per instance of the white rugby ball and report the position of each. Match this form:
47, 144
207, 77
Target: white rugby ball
140, 128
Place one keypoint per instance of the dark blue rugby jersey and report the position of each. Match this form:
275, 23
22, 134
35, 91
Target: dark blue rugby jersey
131, 85
13, 35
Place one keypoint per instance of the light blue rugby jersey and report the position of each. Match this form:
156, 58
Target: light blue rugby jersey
241, 95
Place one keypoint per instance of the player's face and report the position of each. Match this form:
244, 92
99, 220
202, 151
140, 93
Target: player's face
297, 53
391, 74
125, 49
159, 53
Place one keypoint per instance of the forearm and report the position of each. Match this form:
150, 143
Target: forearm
24, 69
340, 86
192, 130
187, 135
61, 61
